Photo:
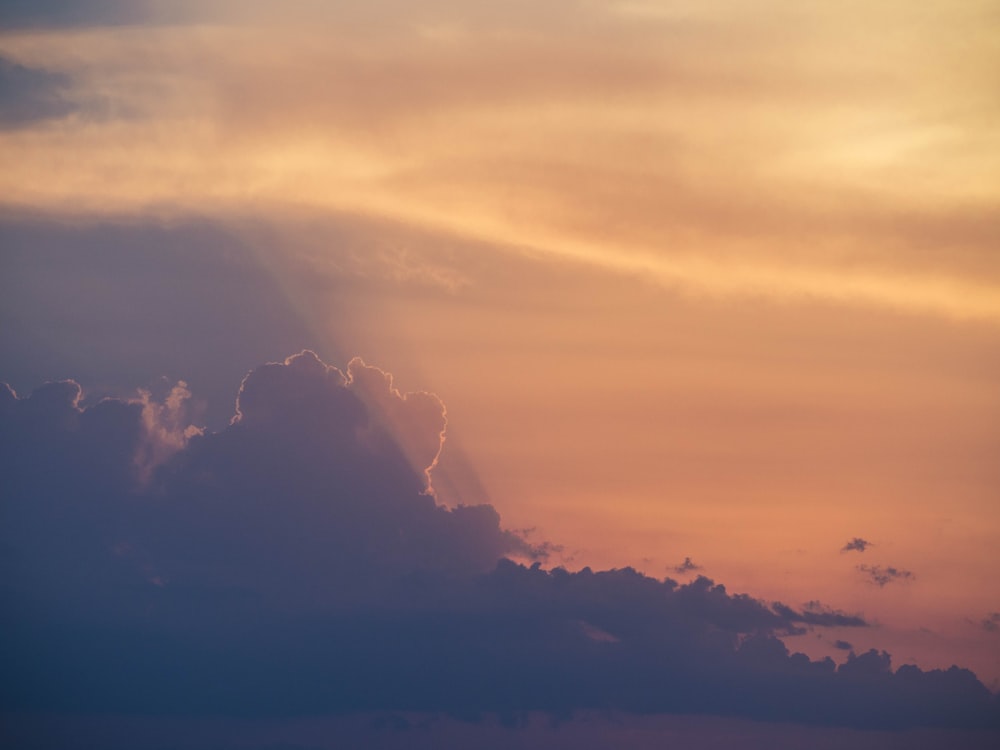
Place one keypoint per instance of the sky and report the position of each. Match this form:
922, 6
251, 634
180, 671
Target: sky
583, 354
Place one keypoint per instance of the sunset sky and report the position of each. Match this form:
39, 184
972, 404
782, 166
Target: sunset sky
709, 281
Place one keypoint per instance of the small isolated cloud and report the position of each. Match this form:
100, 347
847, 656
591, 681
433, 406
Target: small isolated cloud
857, 544
991, 623
881, 576
843, 645
688, 566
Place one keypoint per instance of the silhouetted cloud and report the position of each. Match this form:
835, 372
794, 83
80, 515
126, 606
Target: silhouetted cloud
686, 567
296, 562
30, 94
881, 576
856, 544
843, 645
991, 623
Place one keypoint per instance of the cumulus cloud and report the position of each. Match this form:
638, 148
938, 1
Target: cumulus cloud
856, 544
883, 575
297, 561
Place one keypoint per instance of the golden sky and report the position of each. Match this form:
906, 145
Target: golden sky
708, 279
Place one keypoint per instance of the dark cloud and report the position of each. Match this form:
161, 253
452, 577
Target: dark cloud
856, 544
843, 645
297, 563
31, 94
991, 623
686, 567
882, 575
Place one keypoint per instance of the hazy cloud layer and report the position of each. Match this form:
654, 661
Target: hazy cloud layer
294, 562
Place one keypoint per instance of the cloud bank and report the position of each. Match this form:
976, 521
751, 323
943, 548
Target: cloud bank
297, 562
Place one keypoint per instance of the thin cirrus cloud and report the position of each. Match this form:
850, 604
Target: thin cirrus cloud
485, 126
289, 563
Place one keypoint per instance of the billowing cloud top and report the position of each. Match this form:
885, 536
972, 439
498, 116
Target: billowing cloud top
297, 561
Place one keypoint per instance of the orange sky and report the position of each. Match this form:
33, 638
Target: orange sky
706, 279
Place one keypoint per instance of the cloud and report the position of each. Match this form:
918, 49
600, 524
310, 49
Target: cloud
843, 645
856, 544
686, 567
881, 576
299, 124
34, 14
991, 623
818, 614
296, 561
67, 310
28, 95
